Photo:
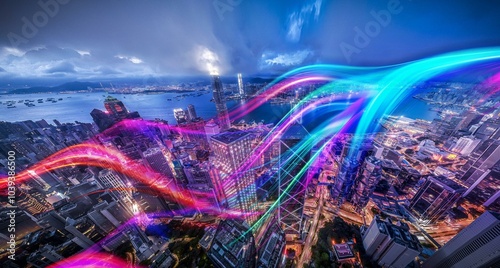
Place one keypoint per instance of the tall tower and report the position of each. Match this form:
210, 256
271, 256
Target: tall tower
368, 177
231, 149
292, 189
475, 246
191, 112
240, 86
220, 103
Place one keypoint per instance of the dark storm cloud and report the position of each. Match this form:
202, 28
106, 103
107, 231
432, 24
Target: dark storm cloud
92, 39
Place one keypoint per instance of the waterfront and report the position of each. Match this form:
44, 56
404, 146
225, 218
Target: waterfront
77, 107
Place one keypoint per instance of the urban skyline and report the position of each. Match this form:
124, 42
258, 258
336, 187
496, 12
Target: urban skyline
284, 156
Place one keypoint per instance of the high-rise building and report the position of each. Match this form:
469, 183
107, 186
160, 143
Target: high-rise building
241, 89
157, 161
230, 245
486, 190
115, 107
211, 128
292, 186
109, 179
191, 112
220, 103
477, 245
180, 116
486, 155
368, 177
465, 145
390, 245
115, 112
436, 196
271, 245
230, 150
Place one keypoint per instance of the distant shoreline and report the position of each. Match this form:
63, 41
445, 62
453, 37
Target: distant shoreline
156, 91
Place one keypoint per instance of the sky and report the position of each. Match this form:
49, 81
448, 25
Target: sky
98, 39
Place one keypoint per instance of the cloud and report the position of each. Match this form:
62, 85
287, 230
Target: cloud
208, 61
134, 60
63, 67
297, 19
2, 70
285, 59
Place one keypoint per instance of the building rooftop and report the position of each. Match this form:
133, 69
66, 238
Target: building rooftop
451, 185
296, 131
343, 251
230, 136
233, 245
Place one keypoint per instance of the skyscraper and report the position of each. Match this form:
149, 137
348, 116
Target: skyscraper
292, 187
486, 154
390, 245
435, 197
477, 245
241, 89
231, 149
191, 112
157, 161
109, 179
230, 245
180, 116
368, 177
220, 103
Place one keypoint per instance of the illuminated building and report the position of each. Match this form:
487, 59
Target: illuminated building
84, 232
111, 180
483, 158
115, 107
211, 128
180, 116
477, 245
115, 112
465, 145
230, 150
199, 182
436, 196
241, 89
32, 201
390, 245
292, 159
157, 161
486, 190
220, 103
368, 177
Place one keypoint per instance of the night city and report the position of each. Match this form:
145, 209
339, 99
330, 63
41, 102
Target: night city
259, 134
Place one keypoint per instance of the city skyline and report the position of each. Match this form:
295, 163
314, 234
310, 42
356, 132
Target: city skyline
190, 134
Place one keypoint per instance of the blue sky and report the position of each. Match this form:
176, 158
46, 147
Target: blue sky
70, 39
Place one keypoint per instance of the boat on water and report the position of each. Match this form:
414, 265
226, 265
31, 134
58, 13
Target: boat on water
11, 107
